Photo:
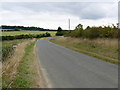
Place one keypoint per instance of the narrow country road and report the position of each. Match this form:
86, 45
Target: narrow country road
65, 68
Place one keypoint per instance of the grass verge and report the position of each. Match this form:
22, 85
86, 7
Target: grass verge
9, 67
93, 48
25, 69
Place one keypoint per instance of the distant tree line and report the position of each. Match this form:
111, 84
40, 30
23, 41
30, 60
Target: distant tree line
17, 28
25, 36
93, 32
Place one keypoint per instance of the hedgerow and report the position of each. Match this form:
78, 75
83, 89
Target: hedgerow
94, 32
25, 36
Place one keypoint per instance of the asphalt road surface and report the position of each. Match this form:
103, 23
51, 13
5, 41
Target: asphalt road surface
65, 68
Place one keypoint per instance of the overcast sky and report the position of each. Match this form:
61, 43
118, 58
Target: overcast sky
53, 14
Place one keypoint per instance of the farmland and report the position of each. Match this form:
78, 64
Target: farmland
7, 49
13, 33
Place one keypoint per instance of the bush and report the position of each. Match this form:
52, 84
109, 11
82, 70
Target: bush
93, 33
59, 34
47, 34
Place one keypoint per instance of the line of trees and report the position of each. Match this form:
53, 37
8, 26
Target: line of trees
16, 28
93, 32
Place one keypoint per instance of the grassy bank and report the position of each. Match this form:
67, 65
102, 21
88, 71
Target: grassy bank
104, 49
19, 73
24, 78
7, 48
13, 33
9, 66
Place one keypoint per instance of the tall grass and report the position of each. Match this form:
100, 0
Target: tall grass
7, 52
105, 48
24, 77
7, 48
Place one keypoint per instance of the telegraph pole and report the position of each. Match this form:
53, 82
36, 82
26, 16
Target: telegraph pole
69, 24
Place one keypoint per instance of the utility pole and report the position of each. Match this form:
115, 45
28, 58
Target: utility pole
69, 24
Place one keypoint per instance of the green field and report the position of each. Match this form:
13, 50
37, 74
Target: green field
13, 33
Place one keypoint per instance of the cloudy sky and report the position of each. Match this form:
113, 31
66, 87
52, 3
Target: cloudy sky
53, 14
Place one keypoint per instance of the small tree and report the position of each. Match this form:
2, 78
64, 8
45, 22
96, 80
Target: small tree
79, 26
59, 29
59, 32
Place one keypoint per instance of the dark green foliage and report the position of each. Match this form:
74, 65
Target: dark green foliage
47, 34
79, 26
59, 29
78, 32
7, 51
16, 29
94, 32
25, 36
59, 32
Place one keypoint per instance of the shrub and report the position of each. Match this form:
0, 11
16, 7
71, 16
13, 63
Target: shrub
59, 34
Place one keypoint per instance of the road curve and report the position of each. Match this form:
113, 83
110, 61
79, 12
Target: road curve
65, 68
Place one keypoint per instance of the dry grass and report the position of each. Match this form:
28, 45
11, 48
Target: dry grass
104, 42
30, 75
23, 65
103, 47
9, 68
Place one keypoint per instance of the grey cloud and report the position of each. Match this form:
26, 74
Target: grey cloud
83, 10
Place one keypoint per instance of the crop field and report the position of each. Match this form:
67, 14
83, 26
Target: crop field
13, 33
